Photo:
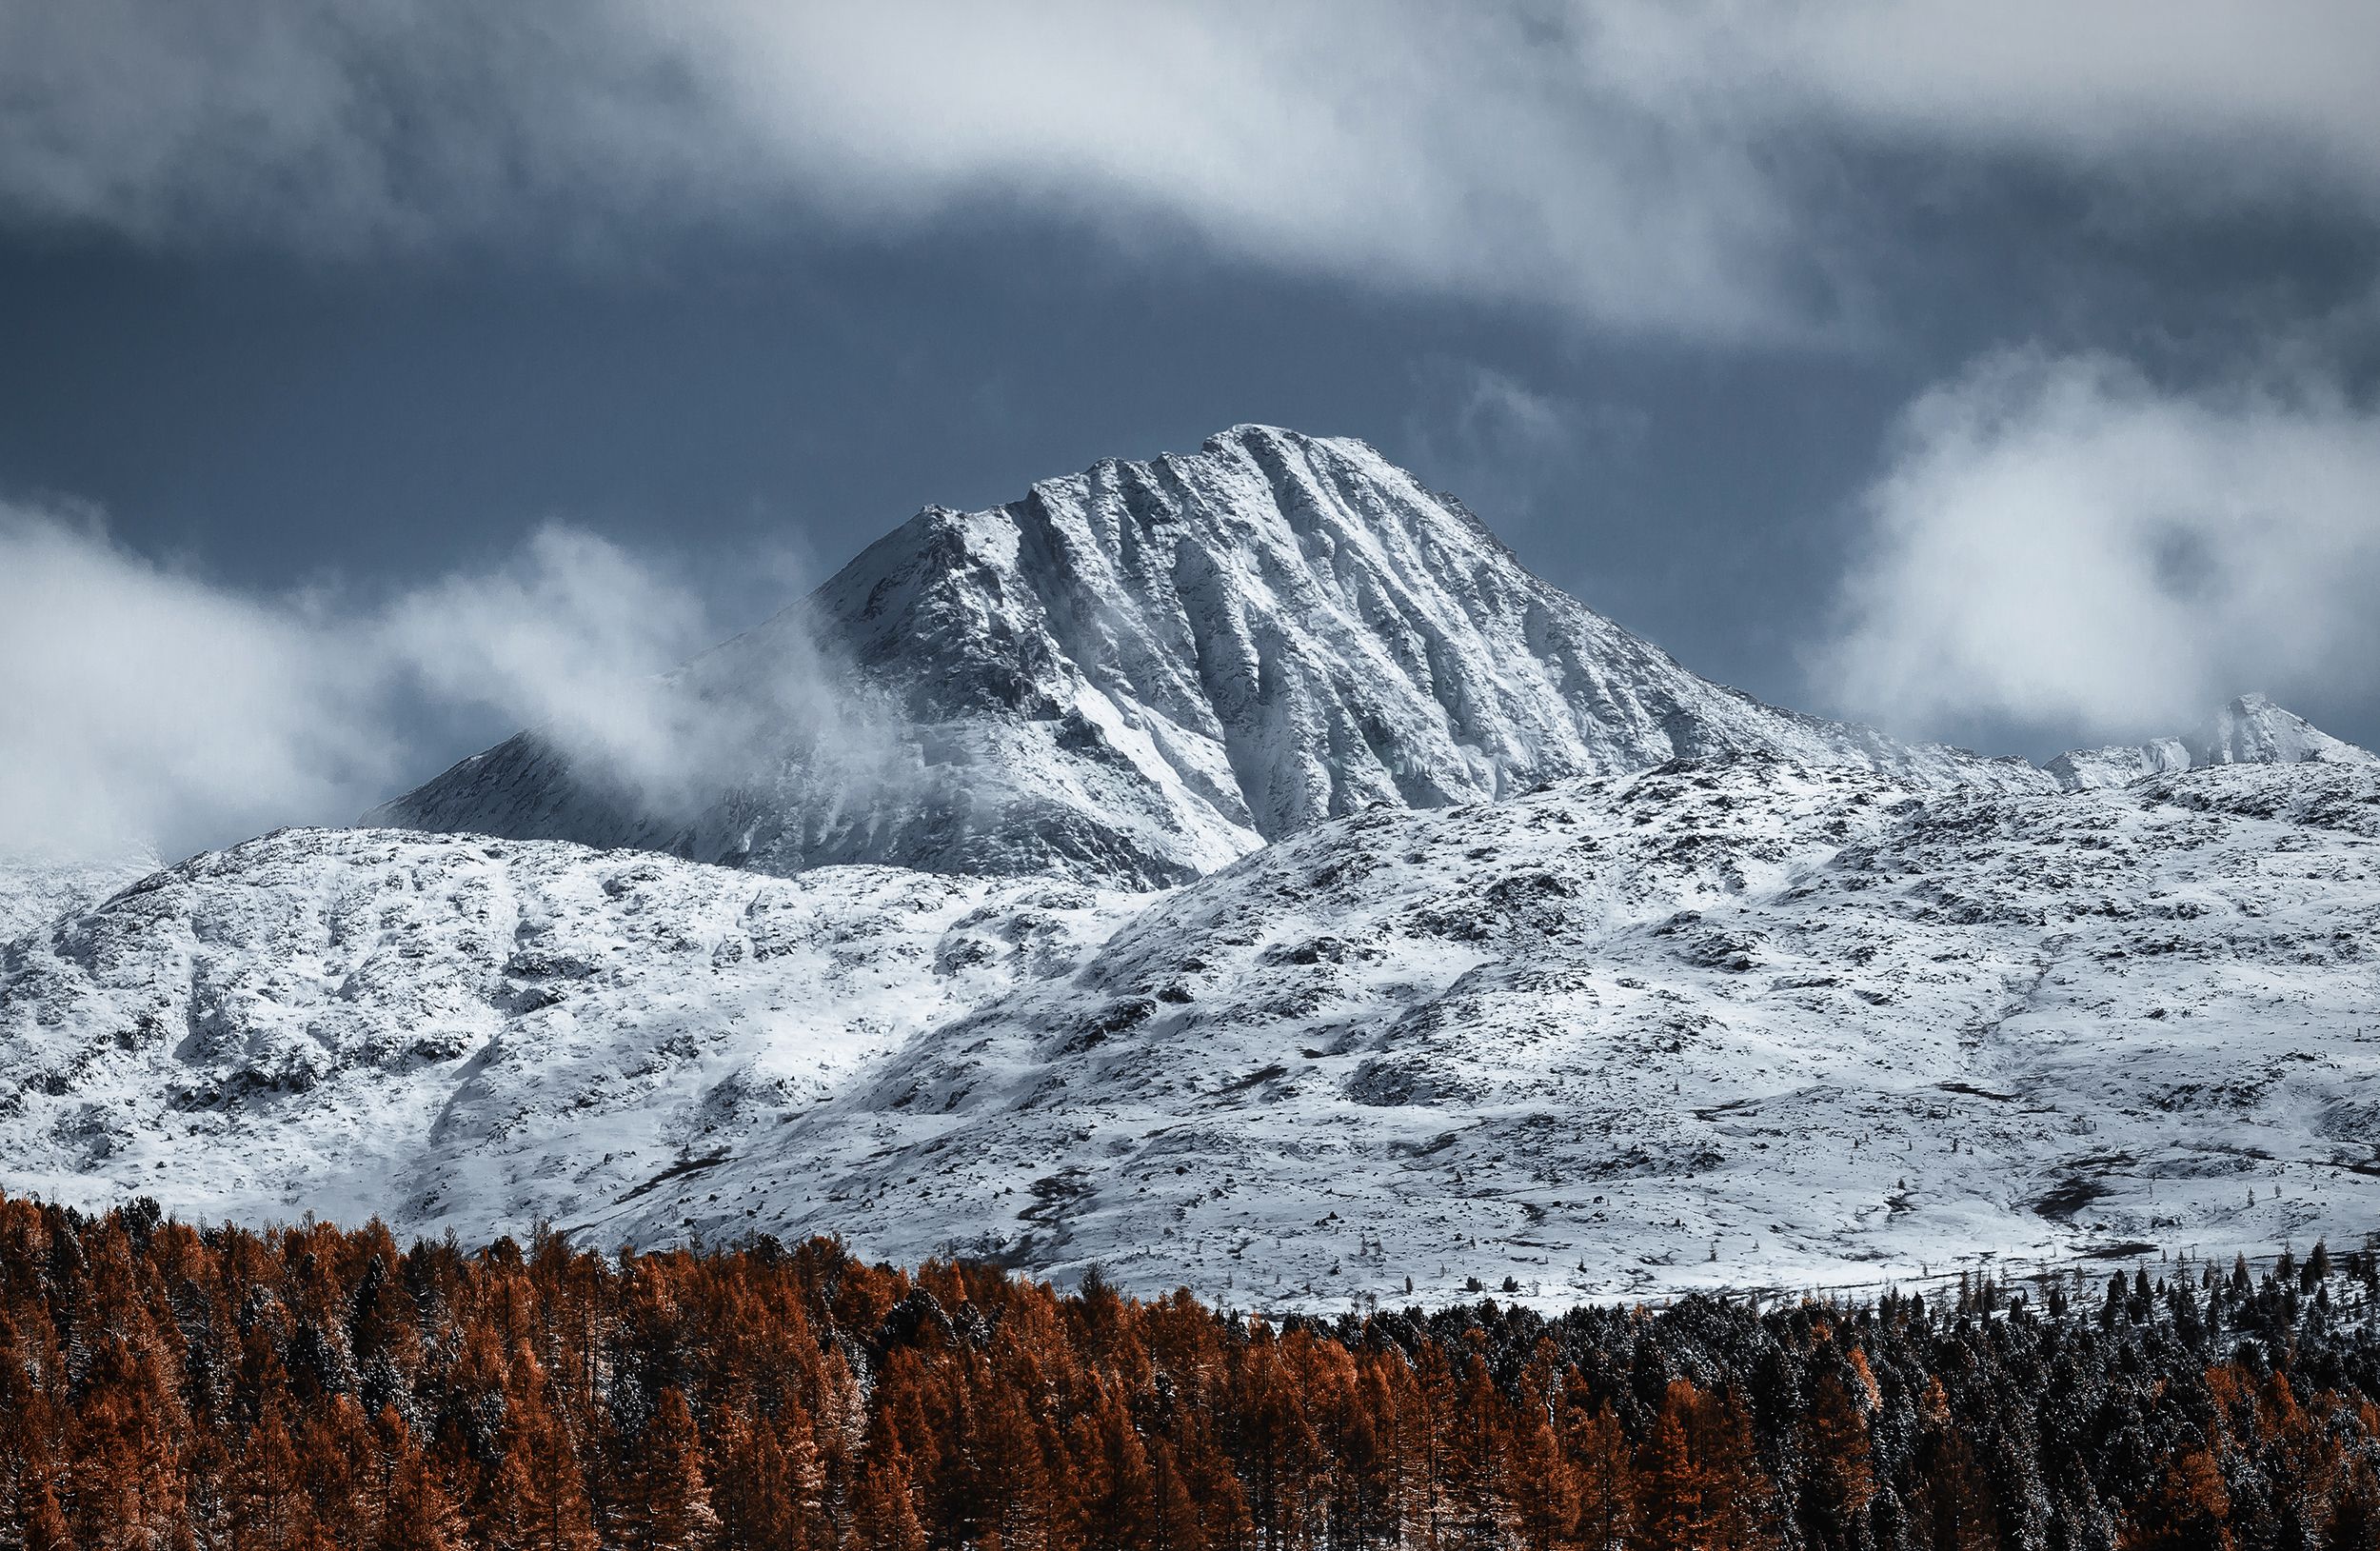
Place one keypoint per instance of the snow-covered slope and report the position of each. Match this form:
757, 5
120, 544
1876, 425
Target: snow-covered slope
34, 891
1146, 670
473, 1033
2251, 730
1746, 1021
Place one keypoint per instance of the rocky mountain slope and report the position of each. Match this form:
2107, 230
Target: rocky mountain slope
1742, 1021
1140, 673
34, 891
481, 1034
1713, 1023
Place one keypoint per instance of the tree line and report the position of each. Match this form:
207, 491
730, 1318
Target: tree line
166, 1386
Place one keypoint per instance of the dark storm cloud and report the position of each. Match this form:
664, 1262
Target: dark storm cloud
1632, 164
1461, 148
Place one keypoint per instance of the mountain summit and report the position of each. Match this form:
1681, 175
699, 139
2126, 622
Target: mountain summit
2251, 730
1149, 669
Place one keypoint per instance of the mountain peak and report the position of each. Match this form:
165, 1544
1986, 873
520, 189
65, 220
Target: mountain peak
2255, 730
2250, 730
1253, 430
1255, 433
1145, 670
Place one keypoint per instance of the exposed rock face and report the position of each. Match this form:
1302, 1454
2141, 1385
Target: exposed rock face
1144, 672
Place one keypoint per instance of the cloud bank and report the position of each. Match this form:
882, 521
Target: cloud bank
2061, 544
1655, 165
150, 706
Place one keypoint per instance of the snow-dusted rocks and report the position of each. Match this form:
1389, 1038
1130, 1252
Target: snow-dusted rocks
2083, 769
1743, 1023
1146, 670
2250, 730
33, 891
473, 1033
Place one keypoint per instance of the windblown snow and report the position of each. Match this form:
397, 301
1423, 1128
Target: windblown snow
1250, 879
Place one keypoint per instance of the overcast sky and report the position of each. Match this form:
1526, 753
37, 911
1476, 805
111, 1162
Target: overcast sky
377, 376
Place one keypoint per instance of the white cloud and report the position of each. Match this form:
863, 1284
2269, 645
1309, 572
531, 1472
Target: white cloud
2058, 542
141, 704
137, 704
1630, 162
2210, 97
568, 638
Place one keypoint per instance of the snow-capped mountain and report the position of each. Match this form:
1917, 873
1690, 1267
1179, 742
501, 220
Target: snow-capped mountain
2251, 730
1144, 672
1237, 871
